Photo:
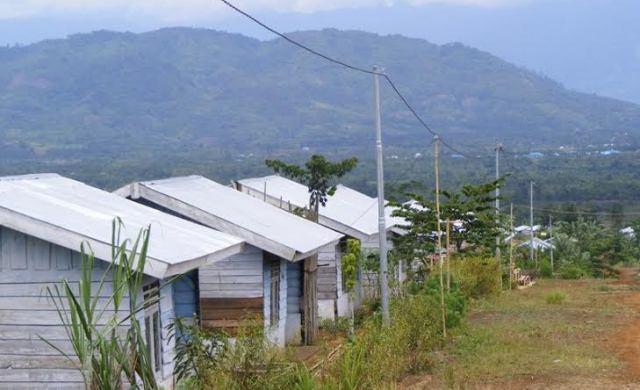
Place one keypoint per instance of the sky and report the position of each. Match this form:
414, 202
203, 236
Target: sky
27, 21
588, 45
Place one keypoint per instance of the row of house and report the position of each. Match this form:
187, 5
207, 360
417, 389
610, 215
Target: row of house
239, 256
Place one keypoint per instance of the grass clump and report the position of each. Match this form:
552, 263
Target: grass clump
478, 277
212, 360
555, 298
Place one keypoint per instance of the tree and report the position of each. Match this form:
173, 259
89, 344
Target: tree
473, 207
319, 175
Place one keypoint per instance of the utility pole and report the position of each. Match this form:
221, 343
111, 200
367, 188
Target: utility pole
448, 256
551, 240
382, 226
531, 221
436, 146
511, 246
498, 150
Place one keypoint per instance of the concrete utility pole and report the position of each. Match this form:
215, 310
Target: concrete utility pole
551, 240
382, 226
498, 150
531, 221
511, 246
436, 146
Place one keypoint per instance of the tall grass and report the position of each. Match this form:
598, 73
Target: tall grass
108, 343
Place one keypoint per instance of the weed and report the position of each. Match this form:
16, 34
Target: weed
555, 298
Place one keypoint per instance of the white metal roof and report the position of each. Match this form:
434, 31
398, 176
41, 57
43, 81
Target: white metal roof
347, 211
225, 209
67, 213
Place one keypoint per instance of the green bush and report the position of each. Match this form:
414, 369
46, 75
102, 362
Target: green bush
337, 326
571, 271
454, 301
379, 356
478, 276
545, 268
555, 298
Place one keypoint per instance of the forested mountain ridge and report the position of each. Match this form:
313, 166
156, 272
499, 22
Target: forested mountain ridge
177, 89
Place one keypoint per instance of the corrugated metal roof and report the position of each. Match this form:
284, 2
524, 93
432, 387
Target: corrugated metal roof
66, 212
347, 211
225, 209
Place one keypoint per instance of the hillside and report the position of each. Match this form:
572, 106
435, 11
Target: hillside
174, 90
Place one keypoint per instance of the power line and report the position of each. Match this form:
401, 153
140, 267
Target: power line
351, 67
569, 212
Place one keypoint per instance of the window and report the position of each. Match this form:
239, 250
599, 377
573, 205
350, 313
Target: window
152, 326
275, 292
272, 263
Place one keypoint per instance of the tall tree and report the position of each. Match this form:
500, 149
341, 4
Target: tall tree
319, 175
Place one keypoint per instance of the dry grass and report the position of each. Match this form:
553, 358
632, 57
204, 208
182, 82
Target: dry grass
519, 335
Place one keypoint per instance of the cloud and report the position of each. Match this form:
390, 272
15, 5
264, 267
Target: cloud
185, 10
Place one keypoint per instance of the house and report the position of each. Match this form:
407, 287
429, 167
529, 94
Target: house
628, 232
268, 273
348, 211
538, 244
526, 229
44, 219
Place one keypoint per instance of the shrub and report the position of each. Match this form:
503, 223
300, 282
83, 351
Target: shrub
478, 276
454, 301
248, 361
555, 298
378, 356
337, 326
571, 271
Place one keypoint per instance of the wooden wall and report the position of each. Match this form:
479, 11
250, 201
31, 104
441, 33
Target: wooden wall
27, 267
232, 290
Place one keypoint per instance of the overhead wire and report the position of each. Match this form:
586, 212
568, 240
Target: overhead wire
354, 68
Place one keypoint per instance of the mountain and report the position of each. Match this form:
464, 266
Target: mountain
175, 90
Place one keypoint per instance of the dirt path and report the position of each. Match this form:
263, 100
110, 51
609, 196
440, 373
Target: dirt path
626, 343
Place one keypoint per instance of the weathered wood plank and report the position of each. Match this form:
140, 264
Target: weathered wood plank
14, 249
231, 286
38, 254
252, 303
34, 362
43, 376
46, 303
41, 317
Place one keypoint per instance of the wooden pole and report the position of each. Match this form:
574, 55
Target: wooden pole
439, 232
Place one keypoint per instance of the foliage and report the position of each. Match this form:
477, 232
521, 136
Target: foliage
102, 352
318, 175
336, 326
248, 361
472, 206
455, 301
197, 350
478, 276
555, 298
379, 356
350, 263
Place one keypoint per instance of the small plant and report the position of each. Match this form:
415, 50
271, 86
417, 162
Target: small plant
197, 350
555, 298
106, 356
337, 326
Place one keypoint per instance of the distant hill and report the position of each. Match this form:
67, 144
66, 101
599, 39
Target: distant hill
179, 89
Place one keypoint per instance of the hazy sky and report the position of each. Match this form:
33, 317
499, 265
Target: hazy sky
27, 21
589, 45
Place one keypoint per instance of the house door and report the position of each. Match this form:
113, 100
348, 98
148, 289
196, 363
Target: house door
293, 329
